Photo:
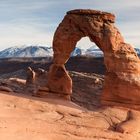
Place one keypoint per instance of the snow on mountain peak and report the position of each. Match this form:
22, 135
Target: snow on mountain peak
43, 51
27, 51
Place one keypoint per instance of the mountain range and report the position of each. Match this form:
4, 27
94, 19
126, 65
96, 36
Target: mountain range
137, 51
43, 51
27, 51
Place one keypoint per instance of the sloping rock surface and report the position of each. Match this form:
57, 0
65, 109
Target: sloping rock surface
24, 117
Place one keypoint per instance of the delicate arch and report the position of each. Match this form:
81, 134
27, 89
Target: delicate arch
120, 59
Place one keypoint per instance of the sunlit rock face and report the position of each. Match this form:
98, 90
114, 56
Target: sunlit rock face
122, 80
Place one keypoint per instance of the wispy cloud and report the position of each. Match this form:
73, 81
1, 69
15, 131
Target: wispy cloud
34, 21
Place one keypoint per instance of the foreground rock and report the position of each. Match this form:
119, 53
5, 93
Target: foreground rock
122, 80
26, 117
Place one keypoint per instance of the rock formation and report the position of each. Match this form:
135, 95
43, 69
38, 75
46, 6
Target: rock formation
36, 81
122, 80
30, 76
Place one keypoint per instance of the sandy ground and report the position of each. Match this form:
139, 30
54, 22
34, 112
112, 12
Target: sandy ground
24, 117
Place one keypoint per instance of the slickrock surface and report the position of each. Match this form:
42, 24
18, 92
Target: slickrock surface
24, 117
122, 79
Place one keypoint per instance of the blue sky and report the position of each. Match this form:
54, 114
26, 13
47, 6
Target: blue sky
34, 21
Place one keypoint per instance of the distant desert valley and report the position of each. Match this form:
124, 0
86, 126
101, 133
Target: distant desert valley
87, 83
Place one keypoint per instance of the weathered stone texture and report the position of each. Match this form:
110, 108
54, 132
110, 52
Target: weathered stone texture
122, 80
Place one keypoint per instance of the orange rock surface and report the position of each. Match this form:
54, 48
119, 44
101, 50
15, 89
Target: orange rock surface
25, 117
122, 80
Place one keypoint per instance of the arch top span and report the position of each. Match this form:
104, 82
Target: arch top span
103, 15
96, 25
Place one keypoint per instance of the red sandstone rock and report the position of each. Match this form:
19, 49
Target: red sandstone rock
30, 76
59, 81
24, 117
36, 81
122, 80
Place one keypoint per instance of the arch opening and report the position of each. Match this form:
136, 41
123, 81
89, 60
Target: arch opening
88, 48
85, 47
87, 57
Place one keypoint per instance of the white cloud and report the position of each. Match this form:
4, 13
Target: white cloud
131, 32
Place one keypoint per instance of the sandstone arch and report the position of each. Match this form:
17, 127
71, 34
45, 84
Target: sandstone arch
122, 80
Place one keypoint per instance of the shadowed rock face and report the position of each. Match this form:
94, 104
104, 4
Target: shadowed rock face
122, 80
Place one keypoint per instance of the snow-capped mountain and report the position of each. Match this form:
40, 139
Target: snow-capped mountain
137, 51
33, 51
94, 52
27, 51
77, 52
42, 51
